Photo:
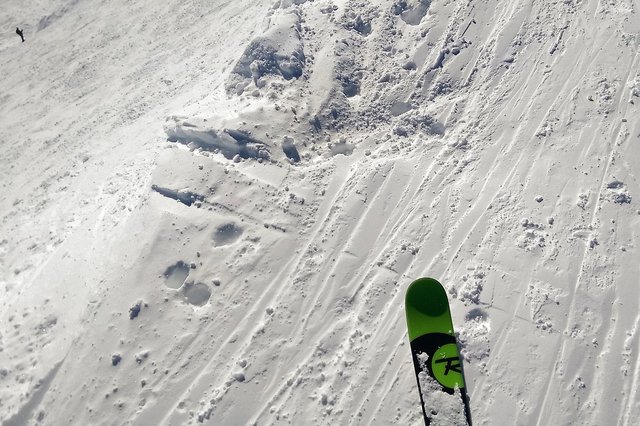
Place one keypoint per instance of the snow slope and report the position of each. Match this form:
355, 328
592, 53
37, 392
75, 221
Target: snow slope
210, 212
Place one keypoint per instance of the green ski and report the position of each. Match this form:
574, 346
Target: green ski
435, 354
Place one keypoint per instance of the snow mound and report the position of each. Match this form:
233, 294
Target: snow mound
277, 52
413, 11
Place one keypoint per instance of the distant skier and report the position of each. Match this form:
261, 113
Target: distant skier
19, 32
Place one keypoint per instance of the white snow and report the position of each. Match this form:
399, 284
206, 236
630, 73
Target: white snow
450, 409
210, 211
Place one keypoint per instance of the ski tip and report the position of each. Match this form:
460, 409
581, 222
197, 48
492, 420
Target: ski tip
427, 296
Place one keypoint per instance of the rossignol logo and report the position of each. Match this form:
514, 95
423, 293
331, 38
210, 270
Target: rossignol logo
446, 368
443, 363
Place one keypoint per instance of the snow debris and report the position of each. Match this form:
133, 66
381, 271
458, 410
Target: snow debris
618, 192
115, 359
445, 409
135, 310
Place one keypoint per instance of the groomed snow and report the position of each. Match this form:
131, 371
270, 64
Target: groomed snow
210, 211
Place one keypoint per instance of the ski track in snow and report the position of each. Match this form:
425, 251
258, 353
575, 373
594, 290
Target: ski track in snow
248, 264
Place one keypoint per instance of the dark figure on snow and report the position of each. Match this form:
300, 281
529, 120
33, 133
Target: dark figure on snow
19, 32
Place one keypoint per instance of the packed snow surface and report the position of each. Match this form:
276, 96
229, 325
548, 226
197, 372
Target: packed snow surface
211, 211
